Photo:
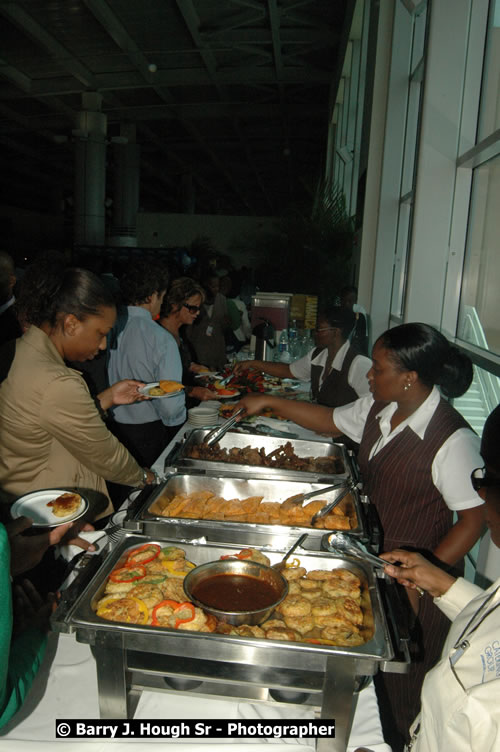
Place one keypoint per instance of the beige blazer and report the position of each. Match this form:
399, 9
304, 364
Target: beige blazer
51, 434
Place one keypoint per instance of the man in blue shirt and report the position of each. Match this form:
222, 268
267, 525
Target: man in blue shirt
144, 350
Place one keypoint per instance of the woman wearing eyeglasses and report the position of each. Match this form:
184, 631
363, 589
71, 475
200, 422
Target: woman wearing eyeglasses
416, 455
337, 372
181, 307
461, 694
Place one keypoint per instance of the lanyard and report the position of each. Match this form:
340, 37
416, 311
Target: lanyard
463, 643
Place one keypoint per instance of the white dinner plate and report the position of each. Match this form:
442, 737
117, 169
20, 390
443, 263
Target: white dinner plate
145, 390
34, 505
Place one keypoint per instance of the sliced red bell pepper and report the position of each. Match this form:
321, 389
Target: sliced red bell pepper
245, 554
182, 607
128, 573
173, 605
153, 547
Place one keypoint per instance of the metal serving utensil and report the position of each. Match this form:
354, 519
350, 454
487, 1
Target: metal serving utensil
344, 544
346, 488
280, 565
213, 436
301, 497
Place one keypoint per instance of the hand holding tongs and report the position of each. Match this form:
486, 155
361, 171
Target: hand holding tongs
217, 433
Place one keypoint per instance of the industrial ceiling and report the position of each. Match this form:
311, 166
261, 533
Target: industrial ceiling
230, 97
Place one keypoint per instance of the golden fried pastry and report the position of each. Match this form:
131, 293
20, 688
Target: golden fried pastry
348, 609
300, 624
65, 505
172, 589
150, 594
335, 588
322, 607
342, 637
336, 622
273, 624
250, 630
129, 610
335, 522
293, 573
295, 605
251, 504
168, 386
171, 553
313, 594
283, 634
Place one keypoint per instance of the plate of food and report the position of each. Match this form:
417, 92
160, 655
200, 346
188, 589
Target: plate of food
50, 507
227, 393
161, 389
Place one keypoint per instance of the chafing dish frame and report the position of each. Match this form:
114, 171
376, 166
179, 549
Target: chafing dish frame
178, 458
241, 485
129, 657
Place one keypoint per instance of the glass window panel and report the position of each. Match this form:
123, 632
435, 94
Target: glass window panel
490, 93
400, 260
479, 316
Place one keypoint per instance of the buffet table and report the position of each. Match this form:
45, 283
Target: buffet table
66, 688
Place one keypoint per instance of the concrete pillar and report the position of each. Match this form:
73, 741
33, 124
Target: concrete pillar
126, 160
90, 172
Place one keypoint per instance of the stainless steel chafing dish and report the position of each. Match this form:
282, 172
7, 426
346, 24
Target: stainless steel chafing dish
145, 517
178, 457
130, 657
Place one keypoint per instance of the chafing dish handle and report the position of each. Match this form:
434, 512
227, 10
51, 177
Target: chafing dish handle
372, 524
87, 567
173, 454
137, 503
400, 619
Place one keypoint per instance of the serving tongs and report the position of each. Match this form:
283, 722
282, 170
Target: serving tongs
346, 487
344, 544
217, 433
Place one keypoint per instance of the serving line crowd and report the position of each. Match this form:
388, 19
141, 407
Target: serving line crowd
415, 452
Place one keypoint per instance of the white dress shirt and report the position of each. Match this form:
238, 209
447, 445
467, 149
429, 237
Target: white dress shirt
356, 378
454, 461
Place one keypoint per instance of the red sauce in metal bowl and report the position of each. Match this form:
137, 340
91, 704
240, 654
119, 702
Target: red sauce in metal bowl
235, 592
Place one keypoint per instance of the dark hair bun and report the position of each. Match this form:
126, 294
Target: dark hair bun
456, 373
422, 348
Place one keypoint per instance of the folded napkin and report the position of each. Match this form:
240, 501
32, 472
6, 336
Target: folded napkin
68, 551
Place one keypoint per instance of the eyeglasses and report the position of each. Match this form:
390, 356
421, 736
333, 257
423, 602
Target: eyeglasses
479, 479
324, 329
192, 308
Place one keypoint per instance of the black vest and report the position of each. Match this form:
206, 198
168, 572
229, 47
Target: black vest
335, 390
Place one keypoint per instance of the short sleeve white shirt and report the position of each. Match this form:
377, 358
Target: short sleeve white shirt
356, 378
454, 461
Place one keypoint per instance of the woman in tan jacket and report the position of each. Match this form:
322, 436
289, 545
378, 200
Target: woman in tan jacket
51, 430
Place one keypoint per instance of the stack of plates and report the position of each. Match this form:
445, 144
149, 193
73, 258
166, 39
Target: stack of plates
203, 415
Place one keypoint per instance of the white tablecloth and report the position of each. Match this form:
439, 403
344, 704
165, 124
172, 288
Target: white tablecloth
66, 688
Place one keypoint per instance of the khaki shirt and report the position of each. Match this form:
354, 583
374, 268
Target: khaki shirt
51, 434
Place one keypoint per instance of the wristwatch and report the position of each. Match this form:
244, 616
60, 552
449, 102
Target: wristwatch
144, 477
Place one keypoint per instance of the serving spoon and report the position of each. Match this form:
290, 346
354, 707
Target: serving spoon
280, 565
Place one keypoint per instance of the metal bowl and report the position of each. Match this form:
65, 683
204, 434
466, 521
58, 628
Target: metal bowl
236, 566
